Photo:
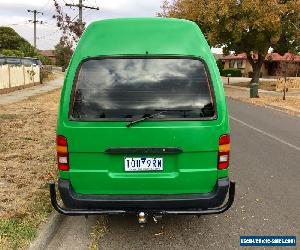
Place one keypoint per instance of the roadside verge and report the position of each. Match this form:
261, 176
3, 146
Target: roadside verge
47, 231
269, 99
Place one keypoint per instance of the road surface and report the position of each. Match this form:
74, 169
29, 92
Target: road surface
265, 163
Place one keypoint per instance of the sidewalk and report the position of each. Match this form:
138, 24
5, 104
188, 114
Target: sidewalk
23, 94
233, 80
245, 92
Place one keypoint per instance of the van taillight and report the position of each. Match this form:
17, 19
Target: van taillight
62, 153
224, 150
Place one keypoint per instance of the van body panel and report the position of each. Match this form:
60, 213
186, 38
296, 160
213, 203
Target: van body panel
92, 170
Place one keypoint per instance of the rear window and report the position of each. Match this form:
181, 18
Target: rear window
28, 61
10, 60
131, 88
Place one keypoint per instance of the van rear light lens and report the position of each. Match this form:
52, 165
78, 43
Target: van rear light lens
62, 153
61, 141
223, 158
63, 159
224, 139
63, 167
224, 150
62, 149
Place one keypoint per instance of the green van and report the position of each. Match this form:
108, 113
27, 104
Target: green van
143, 123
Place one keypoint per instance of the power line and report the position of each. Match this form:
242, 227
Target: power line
47, 35
15, 24
80, 7
34, 21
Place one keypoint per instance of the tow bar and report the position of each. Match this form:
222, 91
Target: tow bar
142, 215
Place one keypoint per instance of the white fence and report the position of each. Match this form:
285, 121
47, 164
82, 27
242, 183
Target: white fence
12, 76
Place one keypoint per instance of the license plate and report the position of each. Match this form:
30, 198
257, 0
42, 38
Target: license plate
143, 164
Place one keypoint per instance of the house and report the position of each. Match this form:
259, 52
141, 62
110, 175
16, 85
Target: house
288, 64
274, 64
50, 53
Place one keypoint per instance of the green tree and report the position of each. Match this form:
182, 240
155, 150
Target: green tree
250, 26
11, 52
63, 54
9, 39
28, 50
290, 20
12, 44
44, 59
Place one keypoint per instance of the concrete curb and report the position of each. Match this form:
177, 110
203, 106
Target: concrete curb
47, 232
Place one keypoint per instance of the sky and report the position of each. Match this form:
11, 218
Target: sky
13, 13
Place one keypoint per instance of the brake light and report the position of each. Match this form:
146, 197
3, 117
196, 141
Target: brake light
62, 153
224, 150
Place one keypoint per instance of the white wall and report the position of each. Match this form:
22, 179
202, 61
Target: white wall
18, 75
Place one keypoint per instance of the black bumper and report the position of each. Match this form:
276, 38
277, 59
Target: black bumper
208, 203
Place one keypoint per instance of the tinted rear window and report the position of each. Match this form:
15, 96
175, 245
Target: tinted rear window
129, 88
10, 60
28, 61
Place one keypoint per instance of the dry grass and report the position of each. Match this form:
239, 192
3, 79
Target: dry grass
27, 164
99, 230
268, 99
265, 85
291, 105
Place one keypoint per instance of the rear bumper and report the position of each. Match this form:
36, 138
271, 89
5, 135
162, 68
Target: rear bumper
208, 203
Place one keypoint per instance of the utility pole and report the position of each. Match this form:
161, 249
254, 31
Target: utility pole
80, 7
35, 13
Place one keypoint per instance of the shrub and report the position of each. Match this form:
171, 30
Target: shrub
44, 59
232, 72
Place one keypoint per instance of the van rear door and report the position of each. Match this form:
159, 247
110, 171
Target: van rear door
171, 144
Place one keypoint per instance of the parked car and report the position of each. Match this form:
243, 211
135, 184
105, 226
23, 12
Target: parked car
143, 123
10, 60
20, 61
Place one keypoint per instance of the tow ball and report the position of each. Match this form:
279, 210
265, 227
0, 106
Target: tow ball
142, 218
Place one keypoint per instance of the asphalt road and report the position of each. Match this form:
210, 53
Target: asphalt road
265, 163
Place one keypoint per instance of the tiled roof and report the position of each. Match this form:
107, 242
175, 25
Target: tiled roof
49, 53
241, 56
286, 57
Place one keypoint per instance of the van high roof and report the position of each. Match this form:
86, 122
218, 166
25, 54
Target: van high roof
137, 36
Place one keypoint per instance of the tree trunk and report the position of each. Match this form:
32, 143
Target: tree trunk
256, 66
256, 73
